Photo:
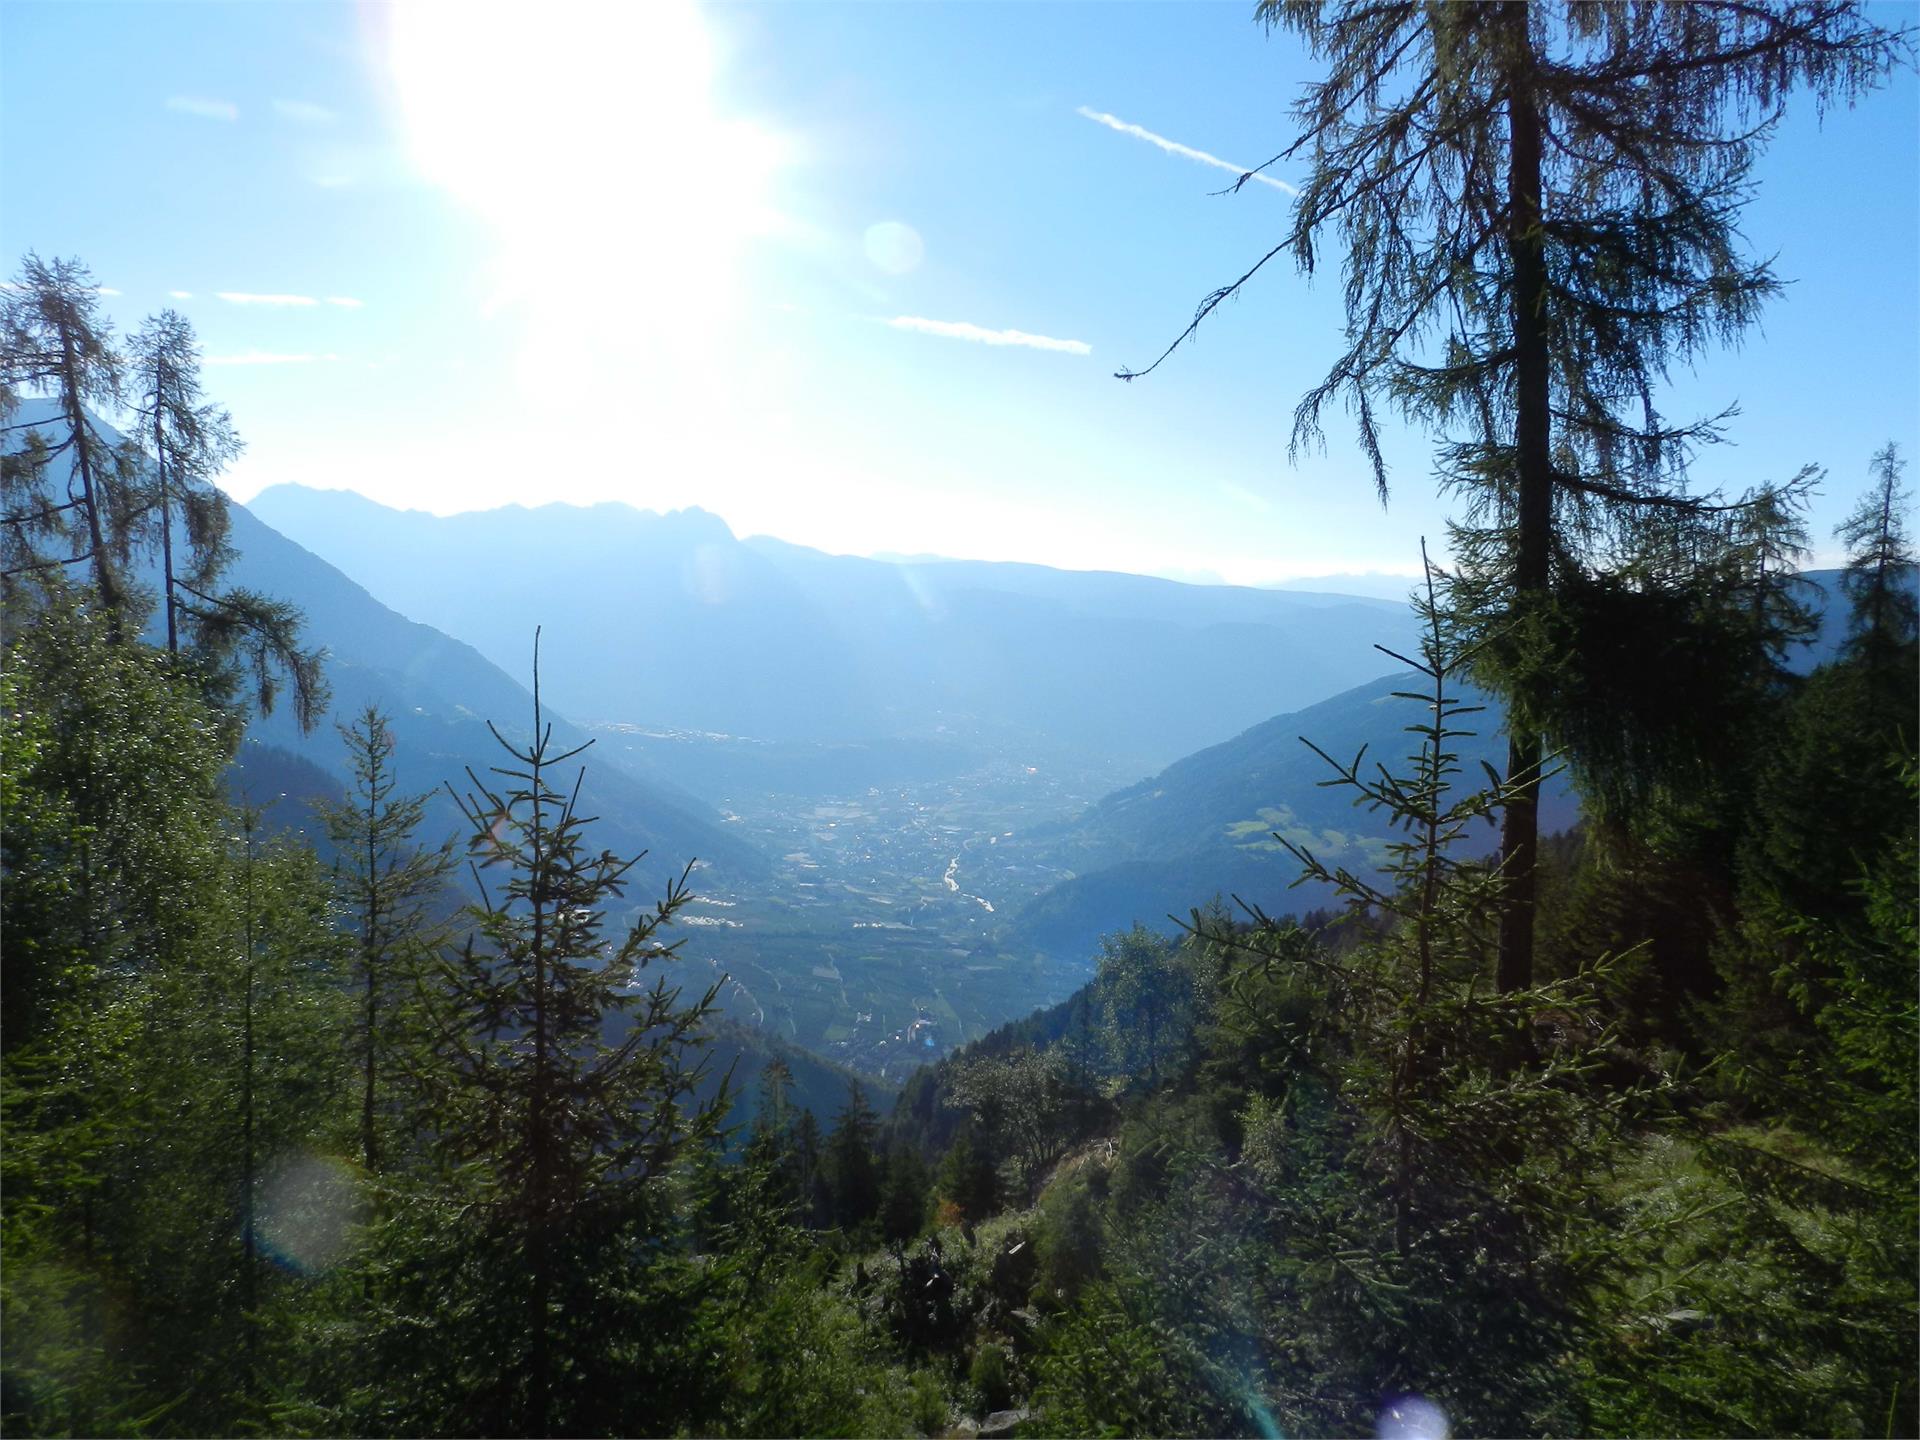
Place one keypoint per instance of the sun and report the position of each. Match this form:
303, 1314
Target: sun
590, 140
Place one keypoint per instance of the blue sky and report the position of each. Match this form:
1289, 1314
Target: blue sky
767, 259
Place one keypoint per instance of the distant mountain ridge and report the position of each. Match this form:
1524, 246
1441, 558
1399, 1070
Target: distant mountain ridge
671, 620
438, 692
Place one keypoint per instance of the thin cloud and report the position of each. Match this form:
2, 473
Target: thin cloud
243, 297
1187, 152
181, 294
265, 357
345, 302
304, 112
205, 109
963, 330
105, 290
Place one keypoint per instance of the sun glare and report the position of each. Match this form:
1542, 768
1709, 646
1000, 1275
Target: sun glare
591, 141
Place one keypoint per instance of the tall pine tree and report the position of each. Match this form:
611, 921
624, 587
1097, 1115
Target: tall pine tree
1539, 207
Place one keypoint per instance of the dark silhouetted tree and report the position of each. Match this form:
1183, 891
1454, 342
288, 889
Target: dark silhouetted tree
568, 1102
853, 1176
1880, 570
68, 488
1538, 206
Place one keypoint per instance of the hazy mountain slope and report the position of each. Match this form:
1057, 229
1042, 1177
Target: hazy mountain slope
1265, 779
1205, 825
669, 621
439, 694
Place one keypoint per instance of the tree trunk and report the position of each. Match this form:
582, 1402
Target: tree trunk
166, 516
104, 578
370, 960
1533, 460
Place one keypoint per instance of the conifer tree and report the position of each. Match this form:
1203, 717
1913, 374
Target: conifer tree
1880, 569
770, 1143
1539, 205
392, 890
1823, 811
852, 1171
903, 1195
810, 1173
569, 1095
1462, 1192
191, 442
232, 629
53, 339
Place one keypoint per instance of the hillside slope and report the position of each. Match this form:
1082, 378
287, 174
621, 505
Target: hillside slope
671, 621
1206, 824
439, 694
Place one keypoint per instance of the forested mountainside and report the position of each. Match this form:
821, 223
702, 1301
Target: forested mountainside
1535, 1051
1212, 823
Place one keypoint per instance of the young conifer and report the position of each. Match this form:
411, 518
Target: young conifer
392, 890
569, 1095
1463, 1130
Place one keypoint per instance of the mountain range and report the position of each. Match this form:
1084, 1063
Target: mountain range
881, 712
670, 621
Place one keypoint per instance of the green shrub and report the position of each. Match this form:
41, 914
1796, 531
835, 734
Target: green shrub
927, 1403
990, 1379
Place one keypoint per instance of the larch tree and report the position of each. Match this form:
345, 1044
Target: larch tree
54, 341
191, 442
187, 442
1539, 209
74, 491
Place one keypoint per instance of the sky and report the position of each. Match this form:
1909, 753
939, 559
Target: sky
856, 276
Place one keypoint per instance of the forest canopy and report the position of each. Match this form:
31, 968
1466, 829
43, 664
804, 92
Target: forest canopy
410, 1103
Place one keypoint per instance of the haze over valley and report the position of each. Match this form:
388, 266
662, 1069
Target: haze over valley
881, 880
877, 859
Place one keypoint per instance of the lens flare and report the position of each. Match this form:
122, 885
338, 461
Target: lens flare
895, 247
1412, 1417
308, 1211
